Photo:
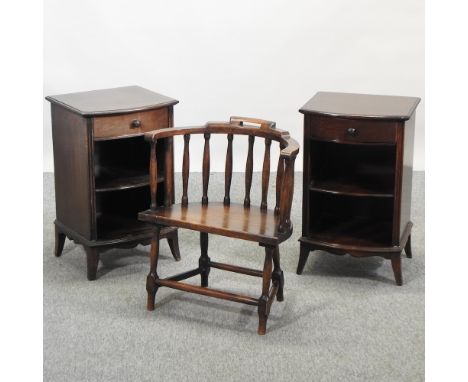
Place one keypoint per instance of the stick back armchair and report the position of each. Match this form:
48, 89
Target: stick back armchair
267, 227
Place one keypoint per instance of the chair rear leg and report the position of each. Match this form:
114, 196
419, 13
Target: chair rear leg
263, 300
204, 261
151, 286
277, 275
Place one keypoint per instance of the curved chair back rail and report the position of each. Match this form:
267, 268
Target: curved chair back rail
236, 126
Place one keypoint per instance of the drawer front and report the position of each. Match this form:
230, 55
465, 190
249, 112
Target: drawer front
117, 126
352, 130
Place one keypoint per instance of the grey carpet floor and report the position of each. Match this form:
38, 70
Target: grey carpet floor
344, 319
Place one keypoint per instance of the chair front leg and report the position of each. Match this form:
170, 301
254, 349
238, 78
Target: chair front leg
266, 281
151, 286
277, 275
204, 261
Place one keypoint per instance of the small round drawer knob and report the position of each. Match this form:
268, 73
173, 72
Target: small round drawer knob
352, 131
135, 124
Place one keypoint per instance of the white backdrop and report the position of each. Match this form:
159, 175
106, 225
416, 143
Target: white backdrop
262, 58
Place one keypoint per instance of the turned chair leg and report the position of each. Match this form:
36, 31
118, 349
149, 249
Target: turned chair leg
151, 286
408, 252
59, 242
277, 275
204, 261
173, 241
396, 265
304, 254
266, 281
92, 261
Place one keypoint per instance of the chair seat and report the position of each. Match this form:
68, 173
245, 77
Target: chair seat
234, 220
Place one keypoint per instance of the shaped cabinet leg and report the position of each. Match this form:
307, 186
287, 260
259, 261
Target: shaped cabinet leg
59, 242
396, 265
302, 258
92, 261
408, 252
173, 241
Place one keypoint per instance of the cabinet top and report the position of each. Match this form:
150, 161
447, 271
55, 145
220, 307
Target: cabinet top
348, 105
112, 101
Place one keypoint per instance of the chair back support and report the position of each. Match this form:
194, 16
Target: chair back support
236, 126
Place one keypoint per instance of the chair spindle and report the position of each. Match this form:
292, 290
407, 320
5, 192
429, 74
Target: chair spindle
228, 171
265, 174
249, 171
206, 168
153, 176
279, 181
185, 169
169, 173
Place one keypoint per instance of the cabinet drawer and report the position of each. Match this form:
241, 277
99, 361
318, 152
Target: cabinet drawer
352, 130
130, 124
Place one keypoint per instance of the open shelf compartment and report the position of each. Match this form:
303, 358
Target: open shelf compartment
123, 164
351, 169
346, 220
116, 212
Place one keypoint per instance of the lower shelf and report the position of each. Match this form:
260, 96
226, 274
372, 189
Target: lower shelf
359, 232
114, 226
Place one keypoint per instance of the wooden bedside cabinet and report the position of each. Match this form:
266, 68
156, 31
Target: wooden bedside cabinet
101, 166
358, 165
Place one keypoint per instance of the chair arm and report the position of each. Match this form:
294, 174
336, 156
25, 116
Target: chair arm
287, 191
291, 148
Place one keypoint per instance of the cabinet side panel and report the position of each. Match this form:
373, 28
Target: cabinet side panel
306, 176
407, 174
72, 170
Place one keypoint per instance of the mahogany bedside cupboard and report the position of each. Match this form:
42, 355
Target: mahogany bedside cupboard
358, 165
101, 166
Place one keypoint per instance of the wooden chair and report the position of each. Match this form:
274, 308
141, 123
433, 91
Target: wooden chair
259, 224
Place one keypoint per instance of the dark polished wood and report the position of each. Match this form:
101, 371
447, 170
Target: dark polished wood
361, 106
151, 286
172, 237
342, 130
396, 266
253, 224
228, 171
249, 171
185, 170
265, 174
123, 100
123, 125
242, 221
102, 176
59, 242
279, 183
206, 168
358, 153
408, 252
92, 261
204, 261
